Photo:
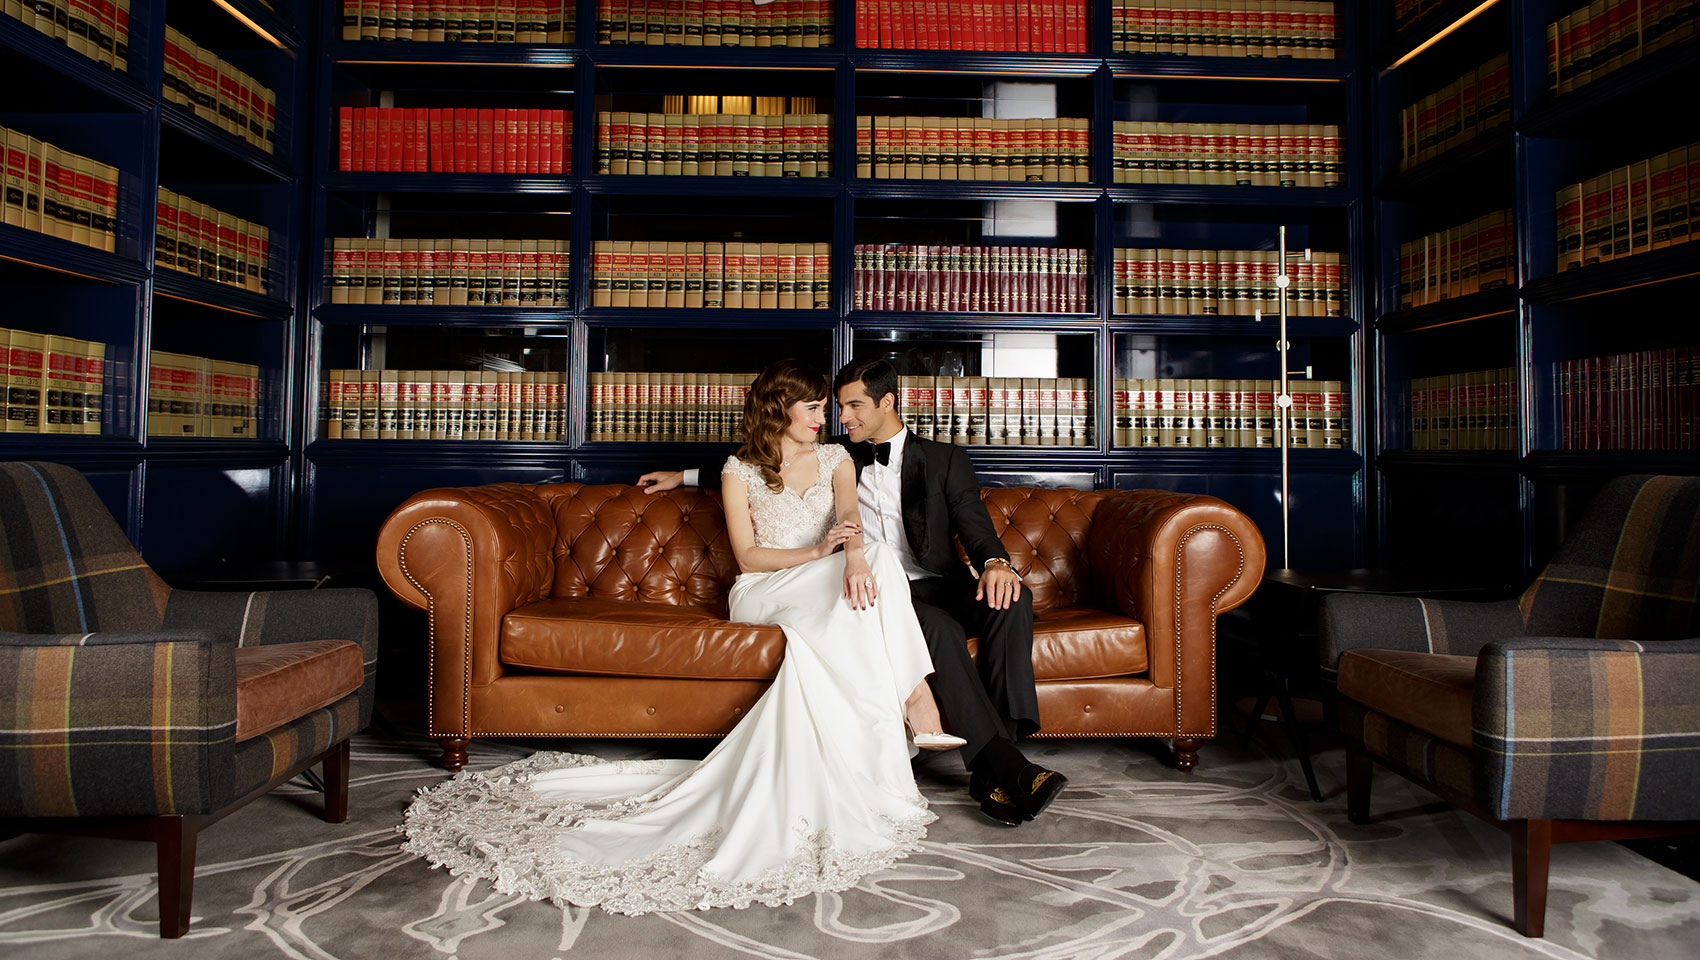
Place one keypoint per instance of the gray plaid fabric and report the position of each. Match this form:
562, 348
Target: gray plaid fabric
1358, 621
105, 751
1588, 729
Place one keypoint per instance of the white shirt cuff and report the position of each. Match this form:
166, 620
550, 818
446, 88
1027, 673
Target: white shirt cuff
691, 478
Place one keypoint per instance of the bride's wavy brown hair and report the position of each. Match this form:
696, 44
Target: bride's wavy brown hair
767, 412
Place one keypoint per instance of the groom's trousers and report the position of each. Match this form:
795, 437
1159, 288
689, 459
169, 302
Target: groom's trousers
996, 697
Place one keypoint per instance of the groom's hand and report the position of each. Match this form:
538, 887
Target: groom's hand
999, 587
659, 480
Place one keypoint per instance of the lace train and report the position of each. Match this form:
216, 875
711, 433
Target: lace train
492, 825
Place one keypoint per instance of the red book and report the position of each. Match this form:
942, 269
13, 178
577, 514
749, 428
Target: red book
408, 138
422, 139
1050, 28
864, 14
498, 137
1023, 26
1004, 12
371, 121
1076, 26
558, 123
884, 8
437, 143
357, 142
345, 138
485, 138
395, 139
536, 149
458, 141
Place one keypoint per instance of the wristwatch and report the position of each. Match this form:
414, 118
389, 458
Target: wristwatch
999, 562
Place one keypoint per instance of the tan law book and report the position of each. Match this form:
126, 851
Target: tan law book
977, 402
406, 403
454, 405
488, 384
714, 275
768, 277
352, 380
786, 273
368, 416
389, 399
674, 292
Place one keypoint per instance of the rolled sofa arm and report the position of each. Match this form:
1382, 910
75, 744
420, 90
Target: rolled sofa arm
1588, 729
133, 723
467, 556
1173, 562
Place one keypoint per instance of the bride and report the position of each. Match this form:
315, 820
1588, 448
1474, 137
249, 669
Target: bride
810, 792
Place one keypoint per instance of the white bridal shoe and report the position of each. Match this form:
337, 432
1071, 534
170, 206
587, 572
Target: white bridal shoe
934, 741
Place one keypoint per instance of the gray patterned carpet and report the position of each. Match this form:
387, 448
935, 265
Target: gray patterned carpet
1134, 861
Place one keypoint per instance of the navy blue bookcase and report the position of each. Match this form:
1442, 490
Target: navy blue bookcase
1502, 512
188, 504
292, 493
349, 486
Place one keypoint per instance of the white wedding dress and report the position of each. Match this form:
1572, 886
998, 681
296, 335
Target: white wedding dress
809, 793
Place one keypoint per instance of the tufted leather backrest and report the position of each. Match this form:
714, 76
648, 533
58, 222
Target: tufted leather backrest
1045, 532
618, 543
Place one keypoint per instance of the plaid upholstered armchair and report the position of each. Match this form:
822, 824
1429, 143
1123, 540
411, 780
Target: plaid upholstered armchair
1570, 713
137, 711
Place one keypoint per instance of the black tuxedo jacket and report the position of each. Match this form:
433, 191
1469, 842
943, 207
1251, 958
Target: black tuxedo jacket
941, 502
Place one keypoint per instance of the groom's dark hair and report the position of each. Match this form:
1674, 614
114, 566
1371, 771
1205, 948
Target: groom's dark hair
878, 376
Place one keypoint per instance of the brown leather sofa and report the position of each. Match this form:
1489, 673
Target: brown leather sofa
567, 610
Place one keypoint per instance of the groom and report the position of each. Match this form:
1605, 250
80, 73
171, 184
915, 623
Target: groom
919, 496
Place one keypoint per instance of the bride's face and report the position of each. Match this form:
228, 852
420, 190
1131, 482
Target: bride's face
807, 419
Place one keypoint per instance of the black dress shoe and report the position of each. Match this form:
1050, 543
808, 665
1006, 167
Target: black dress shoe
1034, 789
994, 800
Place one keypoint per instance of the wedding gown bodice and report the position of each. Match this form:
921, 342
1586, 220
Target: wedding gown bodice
787, 519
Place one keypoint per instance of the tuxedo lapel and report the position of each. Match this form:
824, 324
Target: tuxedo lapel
914, 486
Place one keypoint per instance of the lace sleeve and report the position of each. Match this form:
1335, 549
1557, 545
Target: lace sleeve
736, 468
831, 455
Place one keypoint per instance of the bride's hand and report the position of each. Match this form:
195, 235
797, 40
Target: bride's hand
840, 533
859, 586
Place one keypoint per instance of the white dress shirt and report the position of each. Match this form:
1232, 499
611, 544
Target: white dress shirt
879, 494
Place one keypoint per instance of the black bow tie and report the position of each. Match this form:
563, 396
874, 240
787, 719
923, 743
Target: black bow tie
882, 452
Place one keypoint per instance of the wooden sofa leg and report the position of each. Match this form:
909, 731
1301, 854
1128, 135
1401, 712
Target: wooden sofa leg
1531, 856
1359, 770
454, 753
1186, 754
174, 841
336, 783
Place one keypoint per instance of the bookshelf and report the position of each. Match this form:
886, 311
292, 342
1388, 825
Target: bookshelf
226, 476
1546, 324
349, 485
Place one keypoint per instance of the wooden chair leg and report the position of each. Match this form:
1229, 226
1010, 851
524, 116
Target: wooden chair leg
1186, 754
1360, 769
1531, 856
454, 753
174, 841
336, 783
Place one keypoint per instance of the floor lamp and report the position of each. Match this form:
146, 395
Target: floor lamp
1284, 396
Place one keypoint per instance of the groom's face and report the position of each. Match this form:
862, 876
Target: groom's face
863, 417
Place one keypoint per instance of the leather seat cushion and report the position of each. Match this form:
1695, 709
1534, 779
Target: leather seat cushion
626, 638
1429, 691
280, 682
1084, 643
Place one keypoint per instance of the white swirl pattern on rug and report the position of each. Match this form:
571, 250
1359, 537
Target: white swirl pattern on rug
1134, 861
